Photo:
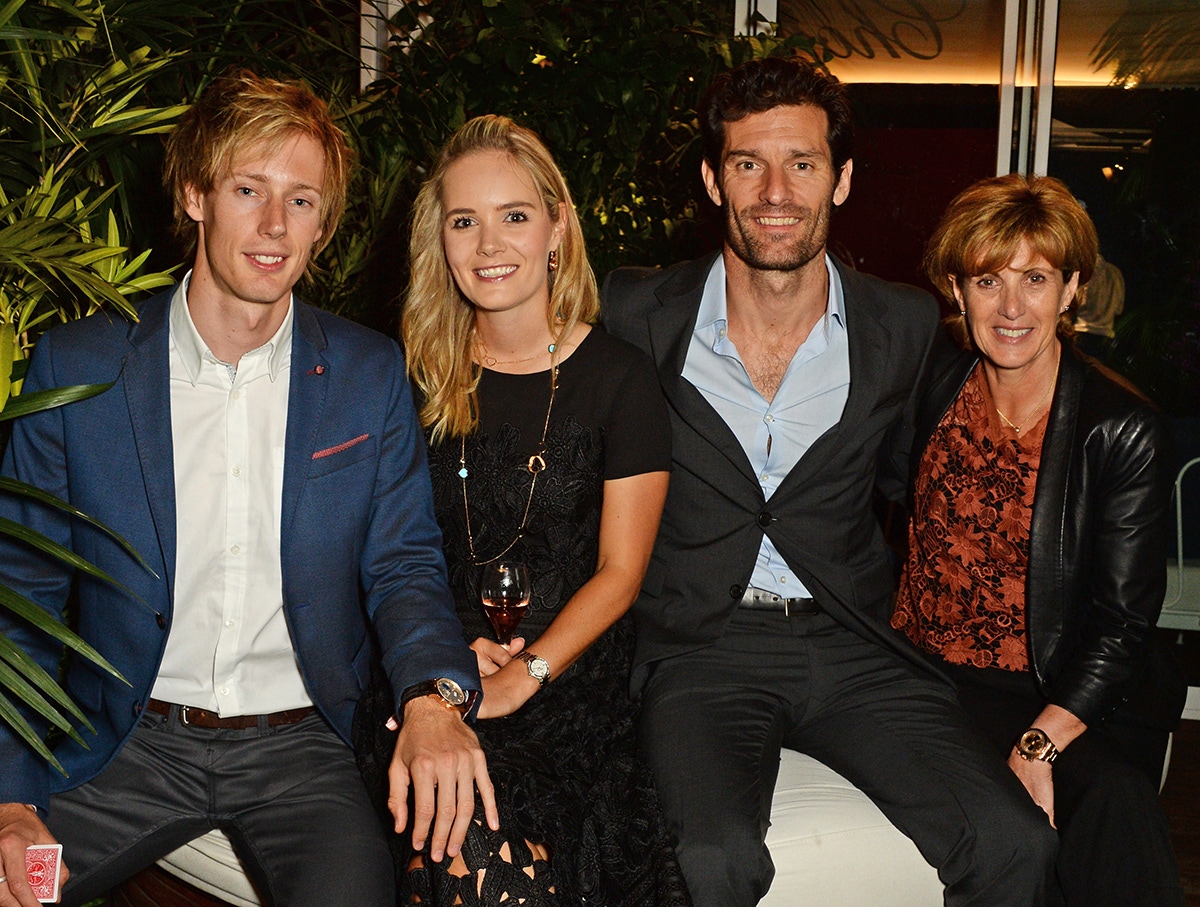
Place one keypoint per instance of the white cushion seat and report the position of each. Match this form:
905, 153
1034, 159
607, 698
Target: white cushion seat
832, 846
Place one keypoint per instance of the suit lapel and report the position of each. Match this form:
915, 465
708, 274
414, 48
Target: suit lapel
671, 327
868, 344
310, 378
146, 377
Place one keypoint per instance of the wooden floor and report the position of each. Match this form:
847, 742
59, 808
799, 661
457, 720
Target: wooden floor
1181, 800
1181, 794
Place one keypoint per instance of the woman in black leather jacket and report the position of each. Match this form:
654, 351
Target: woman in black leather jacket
1036, 569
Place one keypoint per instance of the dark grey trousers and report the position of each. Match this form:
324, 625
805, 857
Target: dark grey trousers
713, 722
290, 798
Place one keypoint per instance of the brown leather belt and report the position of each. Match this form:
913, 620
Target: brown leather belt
190, 716
762, 600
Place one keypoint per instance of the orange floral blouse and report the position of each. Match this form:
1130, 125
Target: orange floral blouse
962, 594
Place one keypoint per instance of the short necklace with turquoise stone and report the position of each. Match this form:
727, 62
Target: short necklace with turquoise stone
536, 466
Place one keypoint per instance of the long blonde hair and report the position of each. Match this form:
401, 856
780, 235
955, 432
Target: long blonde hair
438, 323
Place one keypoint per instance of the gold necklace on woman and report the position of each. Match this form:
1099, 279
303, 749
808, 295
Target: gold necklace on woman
1037, 407
536, 466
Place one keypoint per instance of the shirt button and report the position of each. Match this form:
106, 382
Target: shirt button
769, 419
224, 691
229, 623
235, 549
783, 579
721, 333
764, 477
236, 395
764, 519
237, 470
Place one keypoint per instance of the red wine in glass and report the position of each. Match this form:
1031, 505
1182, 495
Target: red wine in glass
505, 590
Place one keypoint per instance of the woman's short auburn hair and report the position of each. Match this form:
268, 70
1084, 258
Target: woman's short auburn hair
985, 225
242, 111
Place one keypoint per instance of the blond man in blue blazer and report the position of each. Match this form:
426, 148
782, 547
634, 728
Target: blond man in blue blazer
265, 459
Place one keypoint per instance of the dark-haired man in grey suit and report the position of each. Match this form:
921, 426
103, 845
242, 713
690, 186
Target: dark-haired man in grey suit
763, 620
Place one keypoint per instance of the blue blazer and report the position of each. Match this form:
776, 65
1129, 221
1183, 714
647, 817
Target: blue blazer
359, 546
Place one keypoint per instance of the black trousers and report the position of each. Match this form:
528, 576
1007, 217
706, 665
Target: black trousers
290, 798
1114, 842
713, 722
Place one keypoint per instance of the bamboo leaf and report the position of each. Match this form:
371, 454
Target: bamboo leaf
48, 399
16, 656
47, 623
14, 683
34, 493
17, 722
59, 552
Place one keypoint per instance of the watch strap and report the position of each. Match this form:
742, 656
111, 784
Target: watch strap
430, 688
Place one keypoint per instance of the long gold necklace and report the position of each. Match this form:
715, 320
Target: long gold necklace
536, 466
1037, 407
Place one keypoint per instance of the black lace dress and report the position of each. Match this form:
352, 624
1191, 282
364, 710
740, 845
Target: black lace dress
564, 765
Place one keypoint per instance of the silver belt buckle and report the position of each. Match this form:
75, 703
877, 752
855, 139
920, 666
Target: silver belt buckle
183, 715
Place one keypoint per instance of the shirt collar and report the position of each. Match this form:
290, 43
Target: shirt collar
193, 350
713, 315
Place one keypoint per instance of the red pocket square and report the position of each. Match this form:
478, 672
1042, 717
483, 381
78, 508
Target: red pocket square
338, 448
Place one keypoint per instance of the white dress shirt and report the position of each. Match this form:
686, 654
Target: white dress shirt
229, 649
774, 435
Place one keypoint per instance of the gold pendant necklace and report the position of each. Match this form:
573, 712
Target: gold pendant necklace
1037, 407
536, 466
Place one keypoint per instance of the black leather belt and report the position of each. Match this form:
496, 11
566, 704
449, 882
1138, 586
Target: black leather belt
762, 600
190, 716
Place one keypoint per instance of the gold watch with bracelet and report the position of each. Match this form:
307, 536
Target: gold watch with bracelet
1035, 746
538, 667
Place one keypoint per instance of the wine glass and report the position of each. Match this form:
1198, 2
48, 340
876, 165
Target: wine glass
505, 592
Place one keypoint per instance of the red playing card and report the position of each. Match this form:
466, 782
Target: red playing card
43, 861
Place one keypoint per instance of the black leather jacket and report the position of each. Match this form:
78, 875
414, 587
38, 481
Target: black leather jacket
1097, 545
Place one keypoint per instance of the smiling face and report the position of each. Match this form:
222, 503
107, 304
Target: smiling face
497, 233
778, 186
1012, 312
257, 226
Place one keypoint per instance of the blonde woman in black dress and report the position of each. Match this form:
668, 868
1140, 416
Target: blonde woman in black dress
549, 445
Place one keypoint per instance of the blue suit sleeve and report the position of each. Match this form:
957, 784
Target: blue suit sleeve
403, 570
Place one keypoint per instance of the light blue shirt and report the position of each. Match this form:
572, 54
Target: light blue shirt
774, 435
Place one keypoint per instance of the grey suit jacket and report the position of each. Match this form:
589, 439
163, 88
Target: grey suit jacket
820, 519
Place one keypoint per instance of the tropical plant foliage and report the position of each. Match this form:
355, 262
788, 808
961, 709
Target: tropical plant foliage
67, 104
22, 681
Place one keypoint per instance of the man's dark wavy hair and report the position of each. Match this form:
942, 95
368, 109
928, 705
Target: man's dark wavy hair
762, 85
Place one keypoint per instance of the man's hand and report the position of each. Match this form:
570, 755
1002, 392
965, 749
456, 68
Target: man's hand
1038, 778
439, 755
20, 827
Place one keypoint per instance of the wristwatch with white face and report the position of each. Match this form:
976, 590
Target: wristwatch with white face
1035, 746
538, 667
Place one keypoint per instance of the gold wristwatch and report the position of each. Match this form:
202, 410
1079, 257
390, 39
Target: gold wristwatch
1035, 746
446, 691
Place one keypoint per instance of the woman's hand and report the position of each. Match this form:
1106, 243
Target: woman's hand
506, 690
492, 656
1038, 778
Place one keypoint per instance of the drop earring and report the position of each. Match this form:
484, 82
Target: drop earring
552, 264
